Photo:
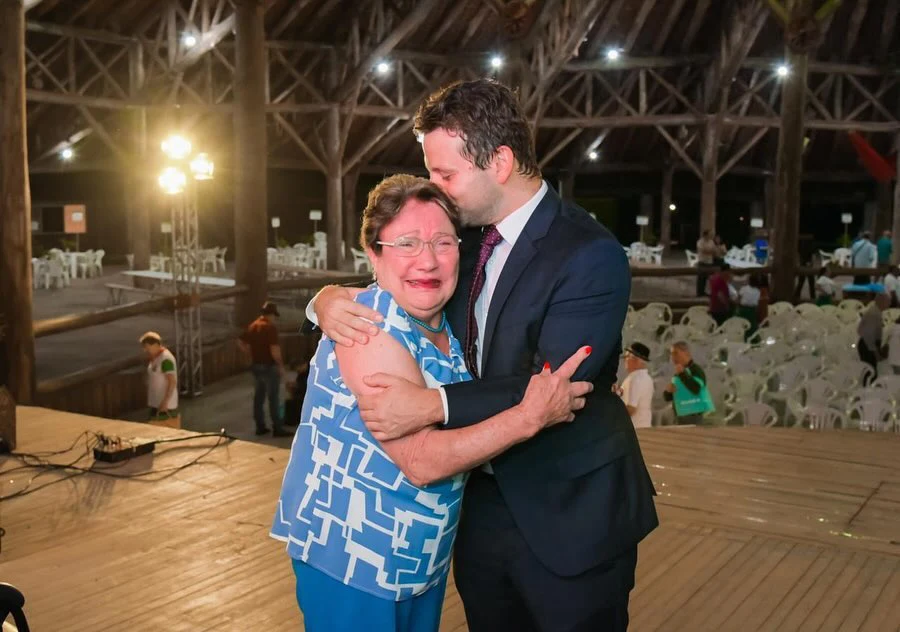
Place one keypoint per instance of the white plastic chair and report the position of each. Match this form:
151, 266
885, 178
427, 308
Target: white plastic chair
755, 414
824, 418
692, 258
872, 414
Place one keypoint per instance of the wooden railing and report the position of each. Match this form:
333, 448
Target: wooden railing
109, 389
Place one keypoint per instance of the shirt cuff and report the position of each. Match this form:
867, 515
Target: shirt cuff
445, 404
311, 312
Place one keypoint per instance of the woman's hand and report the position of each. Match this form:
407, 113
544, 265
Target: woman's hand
551, 397
341, 318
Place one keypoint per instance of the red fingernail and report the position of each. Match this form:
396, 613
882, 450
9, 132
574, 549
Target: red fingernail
587, 350
546, 366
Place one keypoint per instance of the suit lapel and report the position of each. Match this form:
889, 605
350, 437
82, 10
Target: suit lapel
522, 254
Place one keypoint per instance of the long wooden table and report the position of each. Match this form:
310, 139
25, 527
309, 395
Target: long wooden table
762, 529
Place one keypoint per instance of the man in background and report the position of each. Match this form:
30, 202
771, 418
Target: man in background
260, 341
707, 251
637, 388
720, 301
863, 254
162, 377
885, 248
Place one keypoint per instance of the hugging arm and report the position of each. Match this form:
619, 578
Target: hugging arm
430, 455
588, 307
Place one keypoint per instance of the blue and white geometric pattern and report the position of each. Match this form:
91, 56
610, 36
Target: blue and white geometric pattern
345, 507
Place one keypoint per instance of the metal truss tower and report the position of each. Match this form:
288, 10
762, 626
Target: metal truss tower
186, 275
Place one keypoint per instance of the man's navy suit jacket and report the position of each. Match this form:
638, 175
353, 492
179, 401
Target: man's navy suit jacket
579, 492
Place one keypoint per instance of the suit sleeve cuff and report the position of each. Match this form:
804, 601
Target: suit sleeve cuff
445, 404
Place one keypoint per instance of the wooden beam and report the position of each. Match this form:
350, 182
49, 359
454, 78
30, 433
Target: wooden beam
409, 23
103, 134
94, 35
675, 7
701, 7
250, 172
638, 24
896, 223
205, 43
780, 12
888, 27
296, 8
31, 4
789, 170
17, 341
852, 33
742, 151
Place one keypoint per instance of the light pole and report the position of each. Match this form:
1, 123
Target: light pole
276, 222
181, 186
846, 220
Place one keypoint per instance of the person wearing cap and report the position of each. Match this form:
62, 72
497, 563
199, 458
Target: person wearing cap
720, 301
162, 377
260, 341
637, 388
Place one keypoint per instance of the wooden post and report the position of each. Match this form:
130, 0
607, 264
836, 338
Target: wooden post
710, 175
665, 222
250, 198
138, 196
788, 177
769, 201
333, 192
896, 223
352, 212
15, 210
885, 202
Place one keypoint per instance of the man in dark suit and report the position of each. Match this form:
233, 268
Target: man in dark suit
549, 530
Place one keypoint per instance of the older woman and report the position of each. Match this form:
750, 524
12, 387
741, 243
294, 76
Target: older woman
370, 526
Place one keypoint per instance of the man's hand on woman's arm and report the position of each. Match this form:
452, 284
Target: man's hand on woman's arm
341, 318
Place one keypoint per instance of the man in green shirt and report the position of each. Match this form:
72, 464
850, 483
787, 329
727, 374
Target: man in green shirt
162, 377
885, 248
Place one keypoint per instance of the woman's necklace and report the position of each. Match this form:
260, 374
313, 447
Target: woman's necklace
427, 327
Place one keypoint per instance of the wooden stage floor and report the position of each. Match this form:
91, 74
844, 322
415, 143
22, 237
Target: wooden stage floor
762, 529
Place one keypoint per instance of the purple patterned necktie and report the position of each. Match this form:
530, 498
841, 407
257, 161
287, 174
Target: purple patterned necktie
489, 240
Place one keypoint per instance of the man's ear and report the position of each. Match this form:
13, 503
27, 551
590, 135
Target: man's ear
504, 163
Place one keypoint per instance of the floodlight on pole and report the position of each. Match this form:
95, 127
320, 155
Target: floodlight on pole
176, 147
202, 167
172, 180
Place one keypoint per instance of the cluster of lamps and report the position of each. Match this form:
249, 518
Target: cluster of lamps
173, 178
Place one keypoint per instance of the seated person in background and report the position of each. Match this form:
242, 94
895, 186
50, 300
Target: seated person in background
870, 330
748, 304
894, 347
296, 391
720, 302
892, 285
637, 388
826, 289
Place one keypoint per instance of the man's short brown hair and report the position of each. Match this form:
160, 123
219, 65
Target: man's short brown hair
487, 115
388, 198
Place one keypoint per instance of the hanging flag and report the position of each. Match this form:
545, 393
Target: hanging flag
877, 166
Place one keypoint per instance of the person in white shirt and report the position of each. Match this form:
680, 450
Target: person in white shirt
825, 287
162, 377
748, 304
637, 388
892, 285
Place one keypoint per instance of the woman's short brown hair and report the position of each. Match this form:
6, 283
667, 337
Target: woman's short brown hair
388, 198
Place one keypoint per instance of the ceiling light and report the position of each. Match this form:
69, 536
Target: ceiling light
496, 61
189, 40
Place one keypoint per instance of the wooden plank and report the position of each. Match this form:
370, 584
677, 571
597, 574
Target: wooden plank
199, 557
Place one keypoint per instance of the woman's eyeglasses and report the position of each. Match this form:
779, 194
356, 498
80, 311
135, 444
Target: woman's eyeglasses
413, 246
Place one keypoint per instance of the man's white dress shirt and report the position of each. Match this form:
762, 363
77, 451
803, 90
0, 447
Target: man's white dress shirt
509, 228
